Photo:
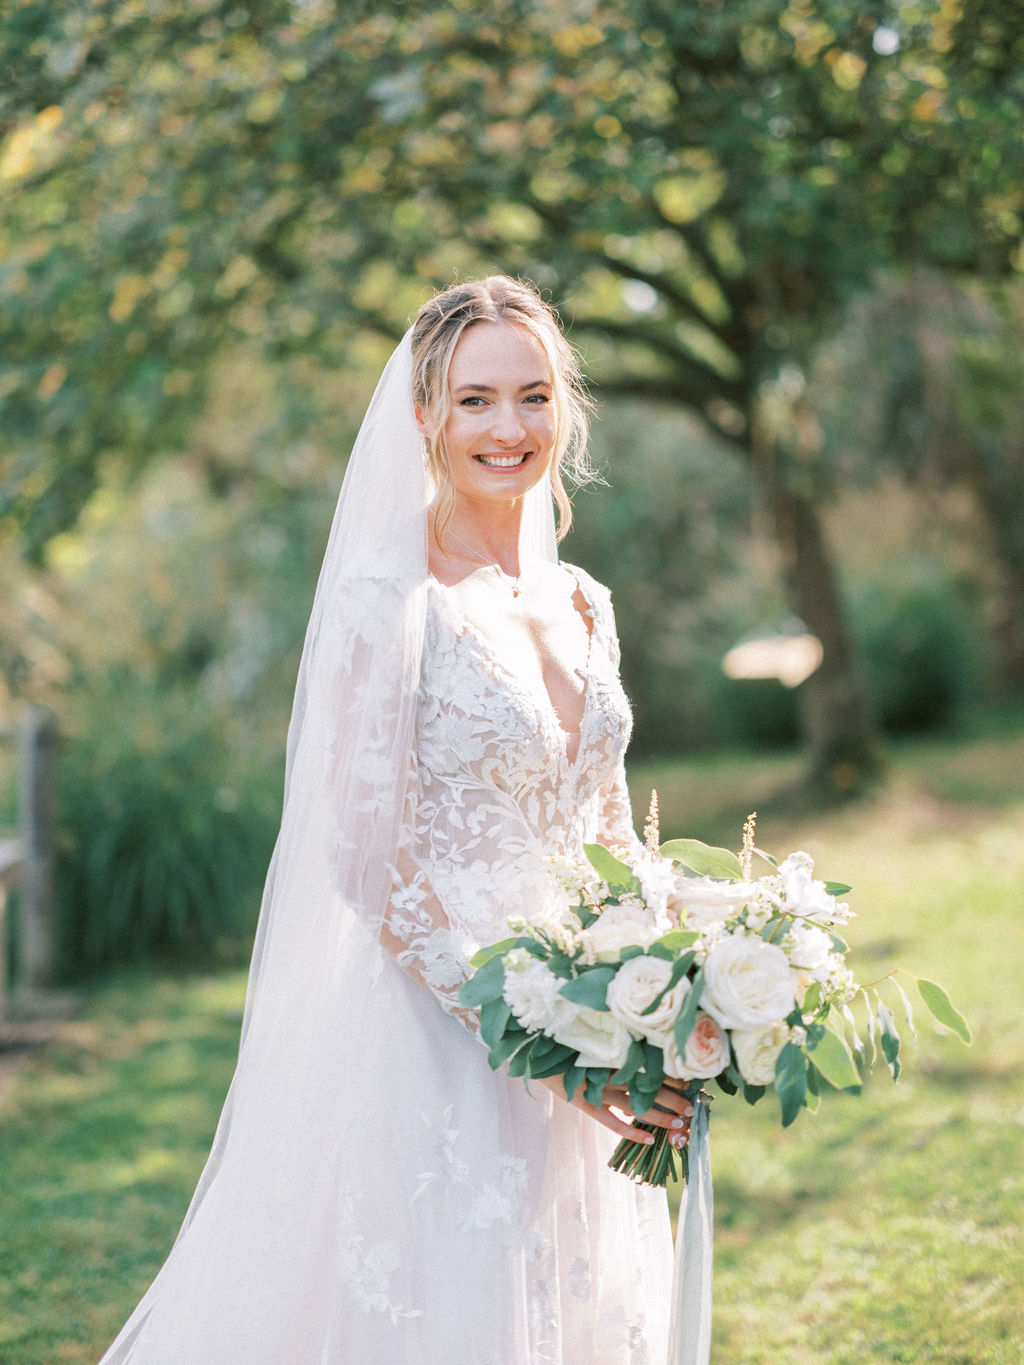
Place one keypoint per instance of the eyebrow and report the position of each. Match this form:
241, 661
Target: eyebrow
487, 388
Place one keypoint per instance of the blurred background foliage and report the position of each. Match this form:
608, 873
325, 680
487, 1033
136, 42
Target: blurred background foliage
785, 234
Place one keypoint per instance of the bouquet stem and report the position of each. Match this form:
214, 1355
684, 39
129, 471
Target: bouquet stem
652, 1163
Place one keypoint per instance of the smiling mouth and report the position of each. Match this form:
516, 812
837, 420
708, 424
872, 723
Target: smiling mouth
504, 461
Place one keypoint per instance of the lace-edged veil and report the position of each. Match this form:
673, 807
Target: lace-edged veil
257, 1253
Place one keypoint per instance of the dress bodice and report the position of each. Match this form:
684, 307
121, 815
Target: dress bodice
481, 724
494, 796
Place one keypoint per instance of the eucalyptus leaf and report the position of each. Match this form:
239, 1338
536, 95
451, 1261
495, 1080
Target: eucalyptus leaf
812, 998
503, 1050
752, 1093
790, 1082
832, 1058
641, 1100
572, 1080
621, 879
676, 939
654, 1069
688, 1014
858, 1042
485, 984
633, 1063
519, 1064
589, 988
494, 1017
908, 1009
811, 1099
704, 859
837, 888
872, 1026
890, 1038
597, 1079
553, 1064
943, 1009
481, 958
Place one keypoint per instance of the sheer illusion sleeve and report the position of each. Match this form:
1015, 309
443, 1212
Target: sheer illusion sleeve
615, 815
418, 930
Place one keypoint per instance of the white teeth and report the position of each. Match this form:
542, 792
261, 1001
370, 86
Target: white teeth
501, 461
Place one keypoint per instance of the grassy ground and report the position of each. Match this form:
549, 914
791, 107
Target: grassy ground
880, 1229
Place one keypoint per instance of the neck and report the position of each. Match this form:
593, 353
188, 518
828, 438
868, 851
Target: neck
490, 532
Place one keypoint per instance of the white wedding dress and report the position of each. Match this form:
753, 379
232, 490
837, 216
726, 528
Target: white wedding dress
509, 1242
470, 1222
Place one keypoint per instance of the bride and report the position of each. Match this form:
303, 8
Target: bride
376, 1194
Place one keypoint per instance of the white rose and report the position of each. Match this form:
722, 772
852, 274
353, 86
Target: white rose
706, 1054
635, 985
618, 927
757, 1051
531, 991
700, 901
747, 983
598, 1037
807, 897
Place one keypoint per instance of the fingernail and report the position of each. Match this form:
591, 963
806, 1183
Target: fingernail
688, 1111
677, 1123
649, 1140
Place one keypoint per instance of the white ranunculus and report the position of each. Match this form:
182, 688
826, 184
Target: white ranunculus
757, 1051
598, 1037
807, 897
531, 990
618, 927
810, 950
702, 901
748, 983
705, 1055
635, 985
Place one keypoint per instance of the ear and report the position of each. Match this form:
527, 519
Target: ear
421, 421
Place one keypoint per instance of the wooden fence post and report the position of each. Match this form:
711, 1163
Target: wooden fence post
37, 736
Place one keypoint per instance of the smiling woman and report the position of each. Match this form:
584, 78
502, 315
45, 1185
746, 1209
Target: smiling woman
376, 1191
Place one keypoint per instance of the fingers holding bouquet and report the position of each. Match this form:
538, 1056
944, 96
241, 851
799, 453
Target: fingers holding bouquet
672, 1110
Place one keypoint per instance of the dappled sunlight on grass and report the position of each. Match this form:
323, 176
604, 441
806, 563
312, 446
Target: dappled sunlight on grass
887, 1228
884, 1228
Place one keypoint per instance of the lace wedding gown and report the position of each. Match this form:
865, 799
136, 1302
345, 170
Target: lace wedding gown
517, 1246
457, 1219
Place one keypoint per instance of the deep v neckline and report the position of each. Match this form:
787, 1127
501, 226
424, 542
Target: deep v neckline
464, 627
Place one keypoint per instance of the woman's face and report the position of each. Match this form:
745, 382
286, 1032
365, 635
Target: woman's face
500, 432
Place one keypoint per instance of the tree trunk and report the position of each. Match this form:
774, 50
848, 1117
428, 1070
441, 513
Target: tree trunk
841, 742
993, 472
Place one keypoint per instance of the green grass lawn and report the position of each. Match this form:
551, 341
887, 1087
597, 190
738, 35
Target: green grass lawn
884, 1228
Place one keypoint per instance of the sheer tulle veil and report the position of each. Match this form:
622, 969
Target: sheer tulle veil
253, 1274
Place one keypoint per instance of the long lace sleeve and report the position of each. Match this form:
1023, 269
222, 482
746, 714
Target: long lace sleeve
418, 930
615, 815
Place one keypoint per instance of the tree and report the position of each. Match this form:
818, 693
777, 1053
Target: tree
701, 184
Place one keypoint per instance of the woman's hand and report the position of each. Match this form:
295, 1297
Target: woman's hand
671, 1109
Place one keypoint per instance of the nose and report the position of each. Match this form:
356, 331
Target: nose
507, 423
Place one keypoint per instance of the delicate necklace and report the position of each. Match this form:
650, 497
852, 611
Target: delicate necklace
481, 559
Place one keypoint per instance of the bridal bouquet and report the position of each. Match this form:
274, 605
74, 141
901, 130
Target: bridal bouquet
684, 965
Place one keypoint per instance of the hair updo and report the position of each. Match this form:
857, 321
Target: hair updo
436, 333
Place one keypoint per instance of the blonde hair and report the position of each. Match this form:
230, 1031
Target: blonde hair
437, 331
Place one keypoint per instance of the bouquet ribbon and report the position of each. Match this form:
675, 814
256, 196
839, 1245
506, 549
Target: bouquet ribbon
690, 1324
